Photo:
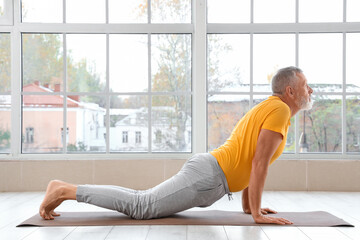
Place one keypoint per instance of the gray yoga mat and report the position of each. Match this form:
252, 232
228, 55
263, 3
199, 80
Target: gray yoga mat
212, 217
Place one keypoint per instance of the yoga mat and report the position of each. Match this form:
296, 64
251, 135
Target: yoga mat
212, 217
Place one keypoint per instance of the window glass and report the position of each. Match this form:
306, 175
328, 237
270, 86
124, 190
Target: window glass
352, 62
228, 11
353, 124
224, 111
171, 62
42, 11
320, 57
128, 115
1, 7
86, 130
271, 52
42, 62
165, 11
228, 62
274, 11
171, 115
352, 11
5, 123
86, 67
320, 11
5, 63
42, 123
85, 11
320, 128
133, 11
128, 63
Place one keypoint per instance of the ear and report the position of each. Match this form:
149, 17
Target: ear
289, 91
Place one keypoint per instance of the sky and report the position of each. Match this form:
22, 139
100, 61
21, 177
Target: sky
320, 55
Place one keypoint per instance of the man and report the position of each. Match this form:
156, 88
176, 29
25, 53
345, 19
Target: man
241, 163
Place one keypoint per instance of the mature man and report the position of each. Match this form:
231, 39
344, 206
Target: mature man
241, 163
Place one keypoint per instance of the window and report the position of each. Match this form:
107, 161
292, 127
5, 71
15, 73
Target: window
125, 137
29, 135
6, 12
137, 137
149, 75
243, 58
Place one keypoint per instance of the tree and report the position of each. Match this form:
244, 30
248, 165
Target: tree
5, 62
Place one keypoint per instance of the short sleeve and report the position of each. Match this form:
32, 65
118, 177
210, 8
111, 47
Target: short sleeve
278, 120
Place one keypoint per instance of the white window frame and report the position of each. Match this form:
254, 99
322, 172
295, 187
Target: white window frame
199, 30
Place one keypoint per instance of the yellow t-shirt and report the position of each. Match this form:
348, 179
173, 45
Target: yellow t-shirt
236, 154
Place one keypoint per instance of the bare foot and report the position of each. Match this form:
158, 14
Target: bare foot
56, 192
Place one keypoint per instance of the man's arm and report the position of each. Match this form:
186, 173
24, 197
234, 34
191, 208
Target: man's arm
268, 142
246, 204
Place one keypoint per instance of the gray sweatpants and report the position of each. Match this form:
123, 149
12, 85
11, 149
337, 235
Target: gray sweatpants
199, 183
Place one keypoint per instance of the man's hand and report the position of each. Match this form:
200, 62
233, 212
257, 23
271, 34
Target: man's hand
264, 211
260, 218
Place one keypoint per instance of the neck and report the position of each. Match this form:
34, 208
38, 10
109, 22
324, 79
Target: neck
290, 102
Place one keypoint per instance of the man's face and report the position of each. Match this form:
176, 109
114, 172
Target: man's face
303, 93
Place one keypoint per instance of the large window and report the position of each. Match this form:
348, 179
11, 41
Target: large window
162, 77
99, 86
243, 56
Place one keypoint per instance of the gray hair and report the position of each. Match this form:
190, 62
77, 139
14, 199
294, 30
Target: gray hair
283, 78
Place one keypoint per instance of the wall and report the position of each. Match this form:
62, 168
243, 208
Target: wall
294, 175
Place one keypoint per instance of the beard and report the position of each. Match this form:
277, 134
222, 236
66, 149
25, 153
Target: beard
305, 103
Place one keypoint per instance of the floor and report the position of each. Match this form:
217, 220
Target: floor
16, 207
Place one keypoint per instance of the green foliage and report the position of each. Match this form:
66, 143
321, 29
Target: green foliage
323, 125
4, 139
80, 147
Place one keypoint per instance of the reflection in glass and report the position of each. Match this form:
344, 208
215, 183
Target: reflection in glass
228, 62
271, 52
129, 123
321, 126
352, 10
320, 57
128, 62
228, 11
320, 11
42, 61
85, 11
171, 123
42, 11
224, 111
42, 123
164, 11
274, 11
353, 124
5, 123
5, 63
171, 62
86, 131
86, 64
134, 11
352, 62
